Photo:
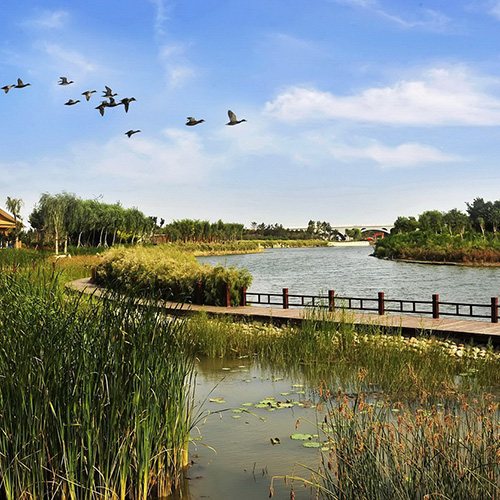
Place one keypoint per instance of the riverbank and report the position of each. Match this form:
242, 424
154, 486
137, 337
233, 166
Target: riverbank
440, 263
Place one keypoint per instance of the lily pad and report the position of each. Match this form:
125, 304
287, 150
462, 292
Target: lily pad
303, 437
246, 404
236, 416
217, 400
312, 444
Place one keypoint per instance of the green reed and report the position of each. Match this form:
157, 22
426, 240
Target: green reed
96, 396
385, 451
358, 357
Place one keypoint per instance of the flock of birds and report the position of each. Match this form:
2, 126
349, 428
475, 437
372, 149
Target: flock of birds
110, 102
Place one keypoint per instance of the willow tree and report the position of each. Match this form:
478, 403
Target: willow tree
14, 206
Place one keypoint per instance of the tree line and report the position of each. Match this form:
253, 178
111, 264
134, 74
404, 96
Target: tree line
481, 217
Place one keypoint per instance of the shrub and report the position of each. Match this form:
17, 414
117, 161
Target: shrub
171, 273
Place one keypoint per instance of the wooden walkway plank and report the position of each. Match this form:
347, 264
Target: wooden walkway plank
459, 330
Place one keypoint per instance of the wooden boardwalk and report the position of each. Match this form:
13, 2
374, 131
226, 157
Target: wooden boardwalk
460, 330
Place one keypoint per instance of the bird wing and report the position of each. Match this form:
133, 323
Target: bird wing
108, 90
232, 116
191, 119
20, 82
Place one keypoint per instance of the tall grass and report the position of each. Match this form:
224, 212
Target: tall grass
95, 396
383, 451
356, 358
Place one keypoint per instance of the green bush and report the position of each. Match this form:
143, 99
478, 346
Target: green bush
171, 273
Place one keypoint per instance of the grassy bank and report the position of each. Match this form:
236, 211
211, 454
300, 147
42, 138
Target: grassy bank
95, 397
356, 358
473, 249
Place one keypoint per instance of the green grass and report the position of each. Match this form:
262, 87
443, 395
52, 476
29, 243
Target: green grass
95, 396
353, 357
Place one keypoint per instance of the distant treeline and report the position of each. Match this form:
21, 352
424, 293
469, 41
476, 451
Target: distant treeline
452, 236
64, 219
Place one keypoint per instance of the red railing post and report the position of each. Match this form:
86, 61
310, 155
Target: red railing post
14, 267
199, 293
331, 300
243, 298
381, 303
494, 309
228, 296
285, 298
435, 306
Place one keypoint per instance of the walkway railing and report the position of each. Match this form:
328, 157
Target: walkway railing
379, 305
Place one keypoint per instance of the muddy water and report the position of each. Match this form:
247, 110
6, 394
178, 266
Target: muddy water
232, 452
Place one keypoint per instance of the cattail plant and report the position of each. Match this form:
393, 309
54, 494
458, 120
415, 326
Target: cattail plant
96, 396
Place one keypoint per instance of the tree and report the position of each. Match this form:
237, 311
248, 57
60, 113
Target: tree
431, 220
456, 222
405, 225
14, 206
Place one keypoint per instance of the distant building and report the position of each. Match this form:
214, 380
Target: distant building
7, 222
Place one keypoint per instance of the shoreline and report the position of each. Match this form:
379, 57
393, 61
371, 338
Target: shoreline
441, 263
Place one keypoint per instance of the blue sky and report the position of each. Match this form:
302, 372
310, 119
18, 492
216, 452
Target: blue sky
357, 111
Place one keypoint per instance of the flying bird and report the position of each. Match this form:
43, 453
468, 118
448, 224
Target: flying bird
232, 119
88, 94
21, 84
193, 121
126, 101
64, 81
108, 92
111, 102
104, 104
71, 102
6, 88
130, 133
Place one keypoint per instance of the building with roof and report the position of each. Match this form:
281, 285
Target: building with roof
7, 222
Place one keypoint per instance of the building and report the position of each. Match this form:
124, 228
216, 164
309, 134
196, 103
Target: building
7, 222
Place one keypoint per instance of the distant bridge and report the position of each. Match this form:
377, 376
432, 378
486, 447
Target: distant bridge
380, 228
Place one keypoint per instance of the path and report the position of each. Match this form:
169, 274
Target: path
461, 330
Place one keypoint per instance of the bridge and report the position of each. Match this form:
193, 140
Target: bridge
379, 228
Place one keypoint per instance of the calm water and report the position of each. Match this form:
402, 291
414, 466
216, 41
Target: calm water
350, 271
234, 457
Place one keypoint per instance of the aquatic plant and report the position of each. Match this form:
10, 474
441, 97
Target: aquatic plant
95, 395
359, 357
383, 450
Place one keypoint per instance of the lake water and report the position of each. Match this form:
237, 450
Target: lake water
351, 271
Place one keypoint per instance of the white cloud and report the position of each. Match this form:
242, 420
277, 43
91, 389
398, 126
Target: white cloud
49, 20
428, 19
162, 11
179, 75
495, 10
404, 155
178, 158
443, 96
70, 58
